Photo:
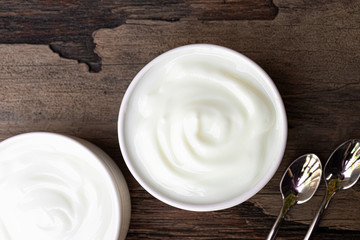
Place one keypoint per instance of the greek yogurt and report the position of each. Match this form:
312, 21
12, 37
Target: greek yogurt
53, 187
200, 126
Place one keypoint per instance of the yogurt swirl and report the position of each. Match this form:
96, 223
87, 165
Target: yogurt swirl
200, 127
53, 188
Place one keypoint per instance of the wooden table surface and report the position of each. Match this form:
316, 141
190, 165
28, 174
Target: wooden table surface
65, 65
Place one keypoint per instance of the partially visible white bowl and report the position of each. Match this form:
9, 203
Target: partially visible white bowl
88, 161
262, 81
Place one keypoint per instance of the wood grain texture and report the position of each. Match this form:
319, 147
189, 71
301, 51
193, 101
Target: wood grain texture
67, 25
311, 50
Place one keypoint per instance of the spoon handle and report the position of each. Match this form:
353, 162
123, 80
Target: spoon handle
277, 223
318, 215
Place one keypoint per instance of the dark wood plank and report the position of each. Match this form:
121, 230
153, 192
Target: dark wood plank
67, 25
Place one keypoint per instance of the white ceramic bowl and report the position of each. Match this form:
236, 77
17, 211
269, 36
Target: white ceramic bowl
261, 80
36, 178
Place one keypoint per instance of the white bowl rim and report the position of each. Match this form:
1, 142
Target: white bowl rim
213, 206
79, 142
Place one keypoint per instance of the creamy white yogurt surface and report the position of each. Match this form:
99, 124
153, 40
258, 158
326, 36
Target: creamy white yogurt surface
200, 128
53, 188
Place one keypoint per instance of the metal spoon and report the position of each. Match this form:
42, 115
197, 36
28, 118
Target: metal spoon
341, 171
298, 185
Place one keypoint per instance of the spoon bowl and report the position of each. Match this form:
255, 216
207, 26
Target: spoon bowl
302, 178
298, 184
343, 166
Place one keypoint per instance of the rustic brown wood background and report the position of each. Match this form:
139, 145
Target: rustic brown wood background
65, 65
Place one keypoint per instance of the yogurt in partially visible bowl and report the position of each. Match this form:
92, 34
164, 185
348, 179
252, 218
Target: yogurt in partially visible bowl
202, 127
61, 188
